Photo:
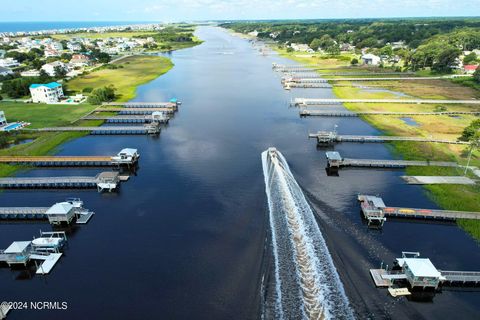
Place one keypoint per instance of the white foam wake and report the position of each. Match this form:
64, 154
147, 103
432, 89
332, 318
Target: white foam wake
307, 284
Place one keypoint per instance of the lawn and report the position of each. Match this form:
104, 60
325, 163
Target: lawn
44, 115
133, 71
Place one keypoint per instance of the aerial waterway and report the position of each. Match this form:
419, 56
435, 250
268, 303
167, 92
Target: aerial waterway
307, 285
184, 238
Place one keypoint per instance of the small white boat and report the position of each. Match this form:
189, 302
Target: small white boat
49, 242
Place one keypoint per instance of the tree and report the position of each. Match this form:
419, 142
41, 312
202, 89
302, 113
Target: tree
315, 44
60, 72
476, 75
471, 130
470, 58
446, 59
354, 62
100, 95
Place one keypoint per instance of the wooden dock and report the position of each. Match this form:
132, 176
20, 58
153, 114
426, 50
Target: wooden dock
142, 104
107, 130
317, 113
375, 211
325, 138
460, 277
126, 119
135, 111
102, 181
319, 102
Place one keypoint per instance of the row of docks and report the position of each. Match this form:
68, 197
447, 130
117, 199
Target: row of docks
320, 102
328, 138
340, 114
335, 160
71, 211
135, 111
413, 272
126, 157
375, 212
299, 68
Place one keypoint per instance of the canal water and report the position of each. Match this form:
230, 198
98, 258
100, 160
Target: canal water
185, 237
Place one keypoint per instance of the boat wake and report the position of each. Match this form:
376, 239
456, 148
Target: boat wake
306, 283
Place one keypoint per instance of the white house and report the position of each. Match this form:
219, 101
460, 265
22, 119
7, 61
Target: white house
5, 71
371, 59
3, 120
30, 73
46, 93
50, 67
9, 63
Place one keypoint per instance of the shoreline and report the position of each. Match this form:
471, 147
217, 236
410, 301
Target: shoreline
451, 197
49, 143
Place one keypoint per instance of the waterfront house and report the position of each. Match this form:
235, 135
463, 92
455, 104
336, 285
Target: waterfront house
9, 63
3, 120
49, 68
30, 73
46, 93
469, 68
80, 60
371, 59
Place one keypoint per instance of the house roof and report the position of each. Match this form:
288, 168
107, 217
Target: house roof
17, 247
128, 151
470, 67
370, 56
60, 208
50, 85
420, 267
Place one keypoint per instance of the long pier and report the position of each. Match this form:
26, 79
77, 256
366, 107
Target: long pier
107, 130
325, 138
375, 212
66, 212
102, 181
335, 160
317, 102
135, 111
127, 119
317, 113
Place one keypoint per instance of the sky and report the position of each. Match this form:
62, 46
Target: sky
188, 10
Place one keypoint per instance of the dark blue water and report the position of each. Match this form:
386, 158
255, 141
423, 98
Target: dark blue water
185, 237
56, 25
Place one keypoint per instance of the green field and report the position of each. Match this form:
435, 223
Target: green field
44, 115
133, 71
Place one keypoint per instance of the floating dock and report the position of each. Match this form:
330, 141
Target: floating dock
298, 80
326, 138
70, 211
317, 113
438, 180
319, 102
375, 212
103, 181
126, 157
107, 130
